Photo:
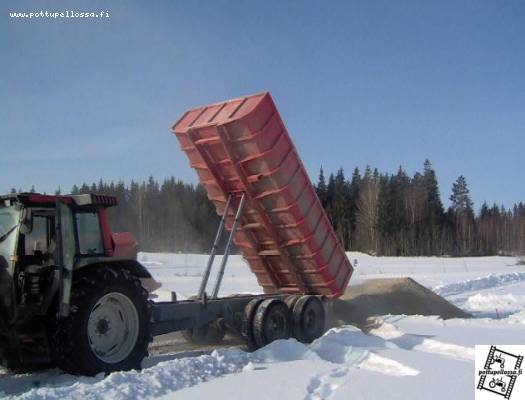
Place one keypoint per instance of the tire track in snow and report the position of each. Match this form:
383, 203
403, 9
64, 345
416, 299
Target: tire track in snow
387, 366
322, 386
348, 349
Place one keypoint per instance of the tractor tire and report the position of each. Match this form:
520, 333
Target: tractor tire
272, 321
108, 327
209, 334
308, 319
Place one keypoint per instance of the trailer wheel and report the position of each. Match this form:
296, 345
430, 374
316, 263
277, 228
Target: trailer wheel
291, 300
108, 327
273, 321
211, 333
247, 323
308, 319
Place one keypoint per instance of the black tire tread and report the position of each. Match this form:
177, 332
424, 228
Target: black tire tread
71, 349
298, 315
263, 311
247, 323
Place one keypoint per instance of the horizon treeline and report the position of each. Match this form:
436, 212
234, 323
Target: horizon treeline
401, 215
372, 212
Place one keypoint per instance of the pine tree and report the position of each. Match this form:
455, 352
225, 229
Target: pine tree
460, 197
463, 217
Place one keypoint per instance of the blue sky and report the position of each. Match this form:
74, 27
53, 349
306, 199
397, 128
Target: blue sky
371, 82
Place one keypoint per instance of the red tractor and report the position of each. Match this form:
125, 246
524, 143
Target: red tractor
71, 293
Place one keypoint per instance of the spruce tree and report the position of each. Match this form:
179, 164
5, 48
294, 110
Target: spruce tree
321, 188
339, 206
434, 213
353, 195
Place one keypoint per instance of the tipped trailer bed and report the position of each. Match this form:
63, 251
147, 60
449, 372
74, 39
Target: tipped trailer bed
246, 161
241, 148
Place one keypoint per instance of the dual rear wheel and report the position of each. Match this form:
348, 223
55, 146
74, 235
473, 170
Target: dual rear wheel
266, 320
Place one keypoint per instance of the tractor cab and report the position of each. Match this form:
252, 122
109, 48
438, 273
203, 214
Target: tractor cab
44, 238
29, 225
47, 243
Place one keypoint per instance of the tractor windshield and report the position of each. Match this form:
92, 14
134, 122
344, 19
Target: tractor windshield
9, 218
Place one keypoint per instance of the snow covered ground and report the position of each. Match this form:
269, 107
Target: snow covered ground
405, 357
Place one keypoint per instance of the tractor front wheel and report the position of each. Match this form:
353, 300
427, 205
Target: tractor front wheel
108, 325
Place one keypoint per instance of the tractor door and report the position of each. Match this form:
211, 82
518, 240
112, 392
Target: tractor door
65, 232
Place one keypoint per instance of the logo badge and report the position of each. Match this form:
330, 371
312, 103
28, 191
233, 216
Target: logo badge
498, 372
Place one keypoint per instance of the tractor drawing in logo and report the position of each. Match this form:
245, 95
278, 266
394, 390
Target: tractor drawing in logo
498, 382
498, 359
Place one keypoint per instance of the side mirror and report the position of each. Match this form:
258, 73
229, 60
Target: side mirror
26, 221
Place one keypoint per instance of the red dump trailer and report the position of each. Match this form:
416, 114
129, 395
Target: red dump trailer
241, 146
250, 168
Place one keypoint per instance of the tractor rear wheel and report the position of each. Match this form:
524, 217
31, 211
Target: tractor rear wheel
108, 325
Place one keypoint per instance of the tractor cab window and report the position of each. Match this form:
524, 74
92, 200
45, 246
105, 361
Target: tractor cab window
8, 235
89, 233
39, 245
36, 241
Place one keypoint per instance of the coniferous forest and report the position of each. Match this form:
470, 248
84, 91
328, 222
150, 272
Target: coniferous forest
373, 212
401, 215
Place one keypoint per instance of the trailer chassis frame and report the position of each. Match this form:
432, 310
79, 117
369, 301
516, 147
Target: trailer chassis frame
172, 316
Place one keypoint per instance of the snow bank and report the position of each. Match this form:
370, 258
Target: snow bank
346, 346
148, 383
489, 302
486, 282
518, 318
